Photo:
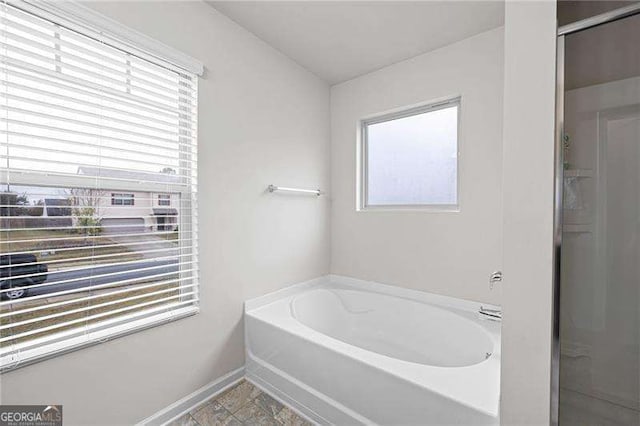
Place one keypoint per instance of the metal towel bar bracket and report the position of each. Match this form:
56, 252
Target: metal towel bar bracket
274, 188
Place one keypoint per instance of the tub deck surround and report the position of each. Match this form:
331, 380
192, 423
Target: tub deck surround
242, 404
346, 351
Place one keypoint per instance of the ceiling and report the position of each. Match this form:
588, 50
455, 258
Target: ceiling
340, 40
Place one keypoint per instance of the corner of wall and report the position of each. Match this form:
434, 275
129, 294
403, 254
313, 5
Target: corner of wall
528, 179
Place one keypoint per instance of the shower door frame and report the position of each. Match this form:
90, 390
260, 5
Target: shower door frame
604, 18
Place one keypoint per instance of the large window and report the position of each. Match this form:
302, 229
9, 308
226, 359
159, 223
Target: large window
84, 125
410, 158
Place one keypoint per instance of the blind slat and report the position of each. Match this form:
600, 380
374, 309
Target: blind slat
95, 257
95, 287
64, 228
113, 72
126, 104
101, 56
70, 196
88, 145
108, 275
106, 294
84, 237
43, 151
93, 267
69, 132
58, 108
160, 109
107, 196
83, 40
90, 135
183, 178
101, 126
187, 241
88, 76
128, 113
98, 306
104, 304
89, 318
108, 182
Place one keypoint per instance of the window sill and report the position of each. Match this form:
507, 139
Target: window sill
415, 209
100, 333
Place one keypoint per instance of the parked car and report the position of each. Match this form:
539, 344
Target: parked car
18, 272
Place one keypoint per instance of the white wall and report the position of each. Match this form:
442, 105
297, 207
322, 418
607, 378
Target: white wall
529, 102
262, 120
447, 253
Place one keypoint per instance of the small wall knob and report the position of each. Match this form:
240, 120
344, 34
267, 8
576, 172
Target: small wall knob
495, 277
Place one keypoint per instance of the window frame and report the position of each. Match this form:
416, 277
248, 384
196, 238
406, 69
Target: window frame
164, 198
362, 190
123, 198
87, 22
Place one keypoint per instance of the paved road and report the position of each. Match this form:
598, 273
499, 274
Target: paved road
151, 242
86, 277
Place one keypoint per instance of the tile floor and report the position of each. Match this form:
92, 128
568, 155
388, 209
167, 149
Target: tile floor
243, 404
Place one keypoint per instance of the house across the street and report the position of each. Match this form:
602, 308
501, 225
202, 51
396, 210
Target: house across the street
135, 211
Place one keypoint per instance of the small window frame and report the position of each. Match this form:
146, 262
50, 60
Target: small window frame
123, 199
164, 200
362, 181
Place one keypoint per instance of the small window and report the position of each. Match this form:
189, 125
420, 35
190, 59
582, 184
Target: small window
122, 199
164, 200
410, 158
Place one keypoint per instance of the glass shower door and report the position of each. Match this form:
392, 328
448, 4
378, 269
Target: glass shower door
600, 272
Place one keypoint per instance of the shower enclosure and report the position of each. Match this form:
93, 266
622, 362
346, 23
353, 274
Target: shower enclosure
597, 358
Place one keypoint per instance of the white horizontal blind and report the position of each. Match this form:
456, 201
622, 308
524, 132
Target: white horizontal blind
98, 222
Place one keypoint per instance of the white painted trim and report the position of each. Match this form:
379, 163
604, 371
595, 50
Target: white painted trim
194, 399
83, 19
362, 190
392, 290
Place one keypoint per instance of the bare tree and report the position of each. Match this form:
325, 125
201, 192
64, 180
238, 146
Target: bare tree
87, 197
87, 208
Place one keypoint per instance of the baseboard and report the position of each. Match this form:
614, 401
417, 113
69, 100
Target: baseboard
191, 401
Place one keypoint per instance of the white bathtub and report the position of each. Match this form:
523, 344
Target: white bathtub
345, 351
